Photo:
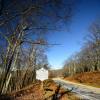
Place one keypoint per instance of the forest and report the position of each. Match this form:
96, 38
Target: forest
88, 59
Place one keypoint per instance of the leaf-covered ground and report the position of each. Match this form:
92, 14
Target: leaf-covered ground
46, 90
88, 78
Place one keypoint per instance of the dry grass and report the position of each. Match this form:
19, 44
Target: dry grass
88, 78
56, 89
42, 91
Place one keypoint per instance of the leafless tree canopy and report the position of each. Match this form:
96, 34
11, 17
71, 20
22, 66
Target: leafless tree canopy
23, 24
88, 59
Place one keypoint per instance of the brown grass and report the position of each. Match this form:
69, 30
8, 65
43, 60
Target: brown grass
41, 91
88, 78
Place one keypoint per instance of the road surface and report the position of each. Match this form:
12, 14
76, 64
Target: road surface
84, 91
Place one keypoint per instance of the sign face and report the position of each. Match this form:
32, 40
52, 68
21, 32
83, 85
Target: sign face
42, 74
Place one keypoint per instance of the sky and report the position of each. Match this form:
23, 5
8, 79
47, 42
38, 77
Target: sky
71, 38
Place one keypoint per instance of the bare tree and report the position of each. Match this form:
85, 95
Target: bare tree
27, 19
88, 59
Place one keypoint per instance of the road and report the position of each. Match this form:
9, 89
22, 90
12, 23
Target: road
84, 91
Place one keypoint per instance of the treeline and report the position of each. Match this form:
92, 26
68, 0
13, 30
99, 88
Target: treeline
55, 73
88, 59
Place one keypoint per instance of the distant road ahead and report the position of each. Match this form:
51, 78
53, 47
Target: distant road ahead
86, 92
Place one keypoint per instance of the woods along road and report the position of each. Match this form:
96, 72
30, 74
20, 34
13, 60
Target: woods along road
84, 91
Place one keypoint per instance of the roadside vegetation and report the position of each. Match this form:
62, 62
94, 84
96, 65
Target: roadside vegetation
88, 59
87, 78
46, 90
24, 26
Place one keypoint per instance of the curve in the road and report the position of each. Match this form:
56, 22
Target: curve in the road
86, 92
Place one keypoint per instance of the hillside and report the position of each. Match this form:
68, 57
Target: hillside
88, 78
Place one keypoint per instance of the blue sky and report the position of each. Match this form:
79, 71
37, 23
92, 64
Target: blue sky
72, 37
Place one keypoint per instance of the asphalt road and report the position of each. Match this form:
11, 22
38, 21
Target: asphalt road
84, 91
